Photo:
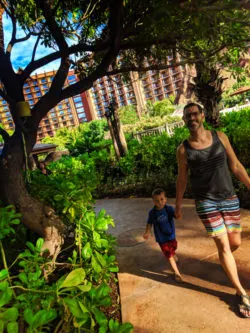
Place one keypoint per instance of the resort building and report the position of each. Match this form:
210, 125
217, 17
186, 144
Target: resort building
90, 105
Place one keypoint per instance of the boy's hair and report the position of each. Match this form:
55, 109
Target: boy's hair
158, 191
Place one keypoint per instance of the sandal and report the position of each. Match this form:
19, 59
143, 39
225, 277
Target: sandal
242, 305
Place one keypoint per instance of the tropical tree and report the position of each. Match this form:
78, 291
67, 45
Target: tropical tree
222, 49
96, 38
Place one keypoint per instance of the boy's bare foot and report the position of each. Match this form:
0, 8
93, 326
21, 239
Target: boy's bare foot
178, 278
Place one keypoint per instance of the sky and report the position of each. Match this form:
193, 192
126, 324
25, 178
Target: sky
21, 53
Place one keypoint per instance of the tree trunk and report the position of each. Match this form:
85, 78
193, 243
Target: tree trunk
112, 134
208, 90
119, 134
35, 215
116, 131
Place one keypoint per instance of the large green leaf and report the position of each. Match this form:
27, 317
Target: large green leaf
12, 328
74, 278
3, 274
87, 251
43, 317
75, 307
10, 314
5, 293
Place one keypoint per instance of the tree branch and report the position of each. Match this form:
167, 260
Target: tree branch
52, 25
34, 49
115, 26
51, 98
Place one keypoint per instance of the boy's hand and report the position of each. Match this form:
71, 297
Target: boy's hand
146, 235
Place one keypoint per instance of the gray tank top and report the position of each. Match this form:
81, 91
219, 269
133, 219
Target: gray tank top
209, 173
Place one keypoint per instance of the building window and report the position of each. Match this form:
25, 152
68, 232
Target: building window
77, 99
71, 77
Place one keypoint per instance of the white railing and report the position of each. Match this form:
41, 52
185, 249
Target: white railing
169, 128
235, 108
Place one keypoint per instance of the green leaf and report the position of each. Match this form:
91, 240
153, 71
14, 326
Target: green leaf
85, 288
83, 307
114, 269
3, 274
75, 307
104, 243
1, 326
10, 314
39, 244
28, 316
72, 212
100, 317
23, 277
74, 278
31, 246
43, 317
102, 329
97, 268
58, 197
101, 259
87, 251
12, 328
101, 224
113, 325
5, 293
15, 221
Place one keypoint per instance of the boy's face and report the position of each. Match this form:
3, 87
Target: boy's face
160, 200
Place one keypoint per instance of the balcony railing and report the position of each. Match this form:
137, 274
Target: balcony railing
169, 128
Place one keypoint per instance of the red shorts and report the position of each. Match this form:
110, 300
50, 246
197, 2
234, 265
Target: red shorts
169, 248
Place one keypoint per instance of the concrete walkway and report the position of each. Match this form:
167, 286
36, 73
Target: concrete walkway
151, 300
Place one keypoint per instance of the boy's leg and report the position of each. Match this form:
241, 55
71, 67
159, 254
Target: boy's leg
175, 269
168, 250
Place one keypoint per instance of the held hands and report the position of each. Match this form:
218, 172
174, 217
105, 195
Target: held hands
146, 235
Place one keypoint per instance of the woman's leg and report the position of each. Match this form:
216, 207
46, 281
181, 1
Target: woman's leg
228, 263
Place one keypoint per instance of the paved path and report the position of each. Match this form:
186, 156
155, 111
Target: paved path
150, 298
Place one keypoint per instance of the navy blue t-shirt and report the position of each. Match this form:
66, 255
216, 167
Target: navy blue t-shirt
163, 223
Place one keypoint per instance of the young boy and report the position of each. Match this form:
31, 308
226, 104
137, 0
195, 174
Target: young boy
161, 216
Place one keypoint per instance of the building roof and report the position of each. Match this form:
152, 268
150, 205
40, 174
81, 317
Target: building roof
39, 148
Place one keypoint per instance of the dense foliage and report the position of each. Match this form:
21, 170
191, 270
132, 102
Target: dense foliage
152, 162
229, 101
38, 294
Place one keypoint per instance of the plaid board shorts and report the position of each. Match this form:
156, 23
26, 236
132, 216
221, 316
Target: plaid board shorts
169, 248
219, 217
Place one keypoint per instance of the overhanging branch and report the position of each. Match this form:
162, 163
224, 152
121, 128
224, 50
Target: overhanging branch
115, 26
